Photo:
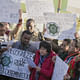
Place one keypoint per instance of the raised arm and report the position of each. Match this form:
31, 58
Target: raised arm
17, 28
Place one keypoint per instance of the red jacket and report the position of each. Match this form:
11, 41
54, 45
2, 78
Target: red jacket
46, 67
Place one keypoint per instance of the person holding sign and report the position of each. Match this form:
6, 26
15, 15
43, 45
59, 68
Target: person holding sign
5, 33
30, 25
11, 34
24, 43
44, 64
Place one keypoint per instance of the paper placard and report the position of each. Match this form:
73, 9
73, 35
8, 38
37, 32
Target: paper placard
9, 11
13, 63
60, 69
65, 23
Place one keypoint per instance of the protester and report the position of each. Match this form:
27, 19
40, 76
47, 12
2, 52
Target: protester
2, 33
30, 25
73, 51
77, 71
74, 69
77, 38
44, 64
24, 42
5, 33
64, 48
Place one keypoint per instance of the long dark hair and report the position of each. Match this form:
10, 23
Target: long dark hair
46, 45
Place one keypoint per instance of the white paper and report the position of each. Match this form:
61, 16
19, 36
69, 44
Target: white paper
60, 69
66, 25
9, 11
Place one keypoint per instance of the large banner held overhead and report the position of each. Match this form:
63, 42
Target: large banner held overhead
60, 26
14, 63
9, 11
60, 69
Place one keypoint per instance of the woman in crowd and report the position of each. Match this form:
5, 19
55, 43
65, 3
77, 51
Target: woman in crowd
44, 64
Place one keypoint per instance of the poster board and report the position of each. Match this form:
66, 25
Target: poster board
9, 11
13, 63
63, 24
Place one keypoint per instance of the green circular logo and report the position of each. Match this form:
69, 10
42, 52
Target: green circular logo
5, 61
52, 28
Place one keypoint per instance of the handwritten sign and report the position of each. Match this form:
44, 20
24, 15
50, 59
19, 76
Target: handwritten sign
64, 23
60, 69
9, 11
13, 63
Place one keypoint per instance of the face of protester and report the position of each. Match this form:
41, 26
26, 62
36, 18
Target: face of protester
6, 25
2, 31
64, 46
64, 43
25, 39
43, 51
31, 28
72, 47
76, 35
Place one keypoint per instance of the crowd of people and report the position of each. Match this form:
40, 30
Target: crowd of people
45, 53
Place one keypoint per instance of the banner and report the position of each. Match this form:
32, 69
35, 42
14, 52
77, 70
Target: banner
14, 63
9, 11
60, 26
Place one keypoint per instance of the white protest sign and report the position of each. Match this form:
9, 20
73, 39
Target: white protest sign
9, 11
36, 8
60, 25
60, 69
13, 63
